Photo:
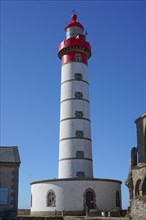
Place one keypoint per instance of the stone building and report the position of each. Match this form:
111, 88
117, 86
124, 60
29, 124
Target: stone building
9, 175
136, 181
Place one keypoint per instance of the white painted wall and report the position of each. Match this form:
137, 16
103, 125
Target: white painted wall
68, 70
68, 166
70, 194
68, 128
68, 148
67, 109
68, 90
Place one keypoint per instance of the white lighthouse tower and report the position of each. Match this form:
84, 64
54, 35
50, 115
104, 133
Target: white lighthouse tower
75, 150
75, 191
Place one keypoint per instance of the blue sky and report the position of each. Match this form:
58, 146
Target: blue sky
30, 83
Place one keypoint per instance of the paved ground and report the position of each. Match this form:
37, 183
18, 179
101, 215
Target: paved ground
94, 218
69, 218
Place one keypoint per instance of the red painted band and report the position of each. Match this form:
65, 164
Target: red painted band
74, 42
71, 57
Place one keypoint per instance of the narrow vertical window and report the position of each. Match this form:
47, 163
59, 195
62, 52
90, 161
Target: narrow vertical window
78, 57
118, 203
31, 200
137, 191
51, 199
3, 196
144, 187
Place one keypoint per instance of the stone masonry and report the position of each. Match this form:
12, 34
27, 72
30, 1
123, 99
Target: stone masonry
136, 181
9, 175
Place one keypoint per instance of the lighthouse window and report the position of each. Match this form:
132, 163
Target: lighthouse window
137, 187
78, 76
78, 57
80, 154
80, 174
51, 198
118, 199
79, 134
79, 114
144, 187
78, 95
31, 200
3, 196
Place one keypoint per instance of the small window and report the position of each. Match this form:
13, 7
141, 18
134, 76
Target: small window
79, 114
144, 187
137, 191
78, 57
81, 37
79, 134
78, 76
51, 199
80, 174
118, 203
3, 196
80, 154
31, 200
78, 95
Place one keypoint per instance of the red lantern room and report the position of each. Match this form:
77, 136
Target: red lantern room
75, 48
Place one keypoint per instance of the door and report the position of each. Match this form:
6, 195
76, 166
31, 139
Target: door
90, 200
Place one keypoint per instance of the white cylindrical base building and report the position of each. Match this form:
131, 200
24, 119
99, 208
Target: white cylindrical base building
72, 197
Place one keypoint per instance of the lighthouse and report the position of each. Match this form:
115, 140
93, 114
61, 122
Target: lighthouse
75, 191
75, 150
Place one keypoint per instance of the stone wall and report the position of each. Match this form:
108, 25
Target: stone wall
138, 209
38, 218
9, 172
137, 187
136, 181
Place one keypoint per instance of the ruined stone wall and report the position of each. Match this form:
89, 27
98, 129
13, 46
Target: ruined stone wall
138, 209
136, 181
141, 138
138, 200
138, 172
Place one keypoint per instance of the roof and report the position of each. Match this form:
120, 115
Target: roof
74, 23
77, 179
9, 154
141, 117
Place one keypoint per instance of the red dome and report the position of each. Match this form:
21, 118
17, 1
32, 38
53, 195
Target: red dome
74, 22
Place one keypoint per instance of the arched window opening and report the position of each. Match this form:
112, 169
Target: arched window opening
137, 191
144, 187
51, 199
118, 200
89, 199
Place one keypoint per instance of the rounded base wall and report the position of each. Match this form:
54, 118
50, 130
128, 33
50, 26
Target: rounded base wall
74, 196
